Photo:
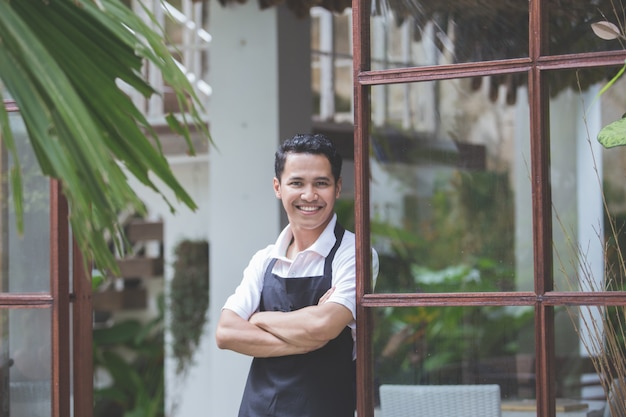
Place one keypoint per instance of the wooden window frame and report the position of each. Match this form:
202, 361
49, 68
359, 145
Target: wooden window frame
543, 298
69, 301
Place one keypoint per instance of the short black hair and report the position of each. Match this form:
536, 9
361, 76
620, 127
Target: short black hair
316, 144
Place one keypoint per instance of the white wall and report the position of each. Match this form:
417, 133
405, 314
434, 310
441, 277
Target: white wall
181, 224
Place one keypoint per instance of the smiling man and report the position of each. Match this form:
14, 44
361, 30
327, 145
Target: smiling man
294, 310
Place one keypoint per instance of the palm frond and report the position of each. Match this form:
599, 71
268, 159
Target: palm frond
61, 61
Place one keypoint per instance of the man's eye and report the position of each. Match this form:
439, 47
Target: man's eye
295, 183
322, 184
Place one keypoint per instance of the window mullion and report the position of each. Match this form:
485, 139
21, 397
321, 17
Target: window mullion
542, 209
59, 289
361, 63
82, 313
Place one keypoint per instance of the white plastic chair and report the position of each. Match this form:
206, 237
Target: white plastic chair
440, 400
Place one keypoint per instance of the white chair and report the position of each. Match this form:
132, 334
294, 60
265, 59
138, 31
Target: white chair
440, 400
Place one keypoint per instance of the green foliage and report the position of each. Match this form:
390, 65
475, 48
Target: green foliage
62, 61
471, 226
473, 217
613, 134
189, 299
433, 344
465, 245
345, 212
131, 353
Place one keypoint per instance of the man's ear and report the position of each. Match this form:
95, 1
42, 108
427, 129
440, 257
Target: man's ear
277, 188
338, 190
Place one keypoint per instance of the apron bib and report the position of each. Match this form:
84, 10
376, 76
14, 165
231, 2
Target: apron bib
316, 384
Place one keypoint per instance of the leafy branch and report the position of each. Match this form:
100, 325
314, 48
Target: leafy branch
62, 62
613, 134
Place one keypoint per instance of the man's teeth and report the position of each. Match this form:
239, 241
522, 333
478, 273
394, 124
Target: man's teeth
303, 208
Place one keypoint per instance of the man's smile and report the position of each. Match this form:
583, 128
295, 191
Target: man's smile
308, 208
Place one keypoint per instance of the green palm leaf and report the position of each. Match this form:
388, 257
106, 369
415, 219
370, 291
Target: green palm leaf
61, 61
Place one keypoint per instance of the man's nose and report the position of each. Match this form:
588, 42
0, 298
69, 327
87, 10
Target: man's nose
309, 194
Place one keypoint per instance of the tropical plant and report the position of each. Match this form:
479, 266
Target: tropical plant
437, 345
189, 300
130, 353
471, 215
64, 63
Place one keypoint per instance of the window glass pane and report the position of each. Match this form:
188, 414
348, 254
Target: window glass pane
25, 372
184, 23
580, 358
331, 66
570, 25
343, 68
316, 69
412, 34
585, 176
418, 346
25, 259
450, 190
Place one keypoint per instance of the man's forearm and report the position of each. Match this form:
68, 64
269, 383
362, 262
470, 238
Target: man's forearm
236, 334
285, 327
307, 327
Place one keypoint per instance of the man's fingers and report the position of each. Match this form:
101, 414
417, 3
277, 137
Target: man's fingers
326, 296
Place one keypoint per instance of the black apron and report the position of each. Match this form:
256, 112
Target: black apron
316, 384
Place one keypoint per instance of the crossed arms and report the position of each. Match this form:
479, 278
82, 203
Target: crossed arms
277, 333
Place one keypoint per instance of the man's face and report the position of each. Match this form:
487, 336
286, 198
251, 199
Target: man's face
308, 191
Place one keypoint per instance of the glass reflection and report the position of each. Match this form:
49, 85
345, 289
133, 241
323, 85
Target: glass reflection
450, 189
25, 352
413, 33
331, 65
588, 190
583, 360
570, 25
25, 258
456, 345
435, 346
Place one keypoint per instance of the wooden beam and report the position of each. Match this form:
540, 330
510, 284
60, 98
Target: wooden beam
128, 299
140, 267
140, 230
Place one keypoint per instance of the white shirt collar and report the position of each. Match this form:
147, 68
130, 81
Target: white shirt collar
322, 245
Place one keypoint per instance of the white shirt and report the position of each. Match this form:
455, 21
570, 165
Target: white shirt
308, 263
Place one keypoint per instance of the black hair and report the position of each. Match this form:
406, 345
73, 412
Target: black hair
316, 144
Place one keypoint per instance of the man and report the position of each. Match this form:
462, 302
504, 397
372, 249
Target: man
294, 310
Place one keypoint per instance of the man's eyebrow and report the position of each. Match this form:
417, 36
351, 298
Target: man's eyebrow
299, 177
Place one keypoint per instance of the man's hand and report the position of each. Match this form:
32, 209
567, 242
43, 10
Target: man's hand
326, 296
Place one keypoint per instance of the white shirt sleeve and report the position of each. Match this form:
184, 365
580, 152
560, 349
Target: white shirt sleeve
344, 275
246, 298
